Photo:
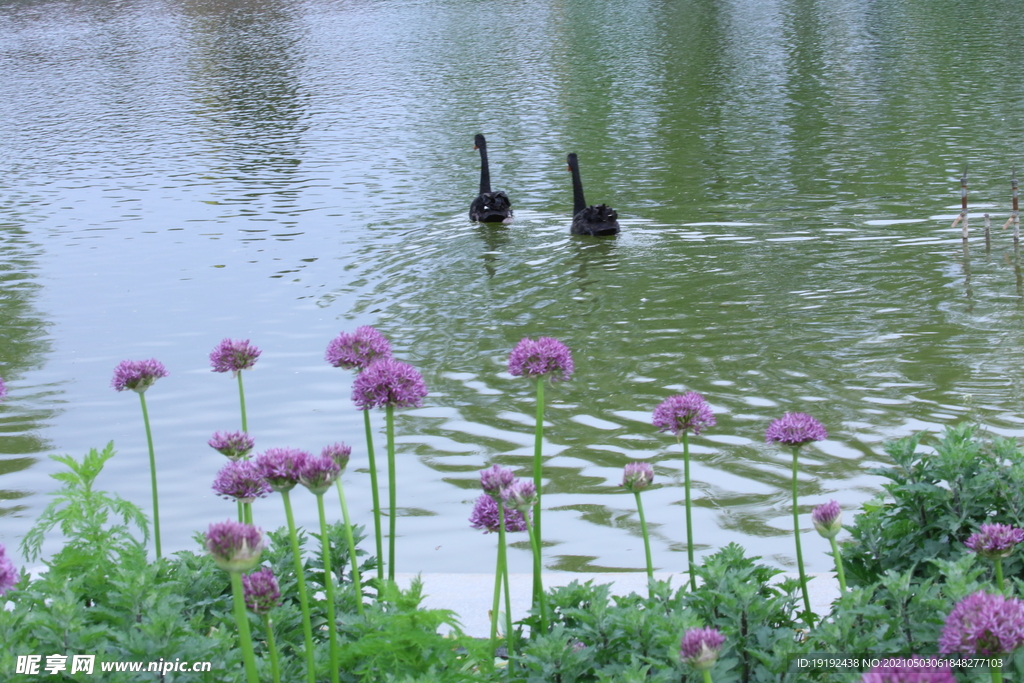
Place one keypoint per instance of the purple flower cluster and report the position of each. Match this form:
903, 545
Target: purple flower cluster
234, 445
496, 479
235, 547
241, 480
389, 382
681, 413
519, 495
8, 573
339, 453
636, 476
282, 467
137, 375
828, 519
995, 540
317, 474
545, 357
261, 591
700, 647
357, 350
910, 670
3, 389
983, 624
234, 356
795, 429
485, 516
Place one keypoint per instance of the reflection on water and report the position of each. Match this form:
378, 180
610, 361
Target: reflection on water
785, 174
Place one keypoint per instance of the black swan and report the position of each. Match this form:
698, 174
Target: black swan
489, 207
597, 221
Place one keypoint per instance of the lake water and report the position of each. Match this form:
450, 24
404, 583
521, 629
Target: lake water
786, 173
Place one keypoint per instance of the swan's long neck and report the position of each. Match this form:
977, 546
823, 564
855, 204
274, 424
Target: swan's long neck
578, 202
485, 171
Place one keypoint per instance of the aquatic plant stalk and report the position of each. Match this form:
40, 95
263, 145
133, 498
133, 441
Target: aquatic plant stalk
351, 547
242, 619
375, 490
307, 628
332, 626
152, 475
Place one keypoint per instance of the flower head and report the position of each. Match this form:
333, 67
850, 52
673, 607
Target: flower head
636, 476
485, 516
995, 540
520, 495
281, 467
700, 647
913, 669
983, 624
357, 350
317, 474
261, 591
545, 357
234, 356
795, 429
389, 382
137, 375
234, 445
828, 519
681, 413
496, 478
339, 453
8, 574
235, 547
241, 480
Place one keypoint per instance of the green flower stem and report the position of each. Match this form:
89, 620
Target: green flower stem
300, 575
241, 401
538, 441
839, 564
707, 676
332, 624
796, 536
541, 603
392, 514
509, 635
351, 547
247, 512
497, 590
376, 496
275, 667
241, 510
999, 575
242, 619
689, 513
647, 543
152, 476
997, 674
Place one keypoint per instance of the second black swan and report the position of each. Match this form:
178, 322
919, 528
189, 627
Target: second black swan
488, 207
598, 221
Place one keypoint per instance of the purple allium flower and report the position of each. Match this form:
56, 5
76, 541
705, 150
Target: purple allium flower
389, 382
3, 389
636, 476
795, 429
983, 624
544, 357
234, 356
496, 478
235, 547
913, 669
261, 591
317, 474
137, 375
828, 519
241, 480
234, 445
339, 453
687, 412
357, 350
281, 467
8, 574
519, 495
700, 647
995, 540
485, 516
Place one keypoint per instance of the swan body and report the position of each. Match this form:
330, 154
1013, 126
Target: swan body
597, 221
488, 207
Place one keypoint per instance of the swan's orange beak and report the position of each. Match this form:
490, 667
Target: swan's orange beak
568, 168
475, 147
